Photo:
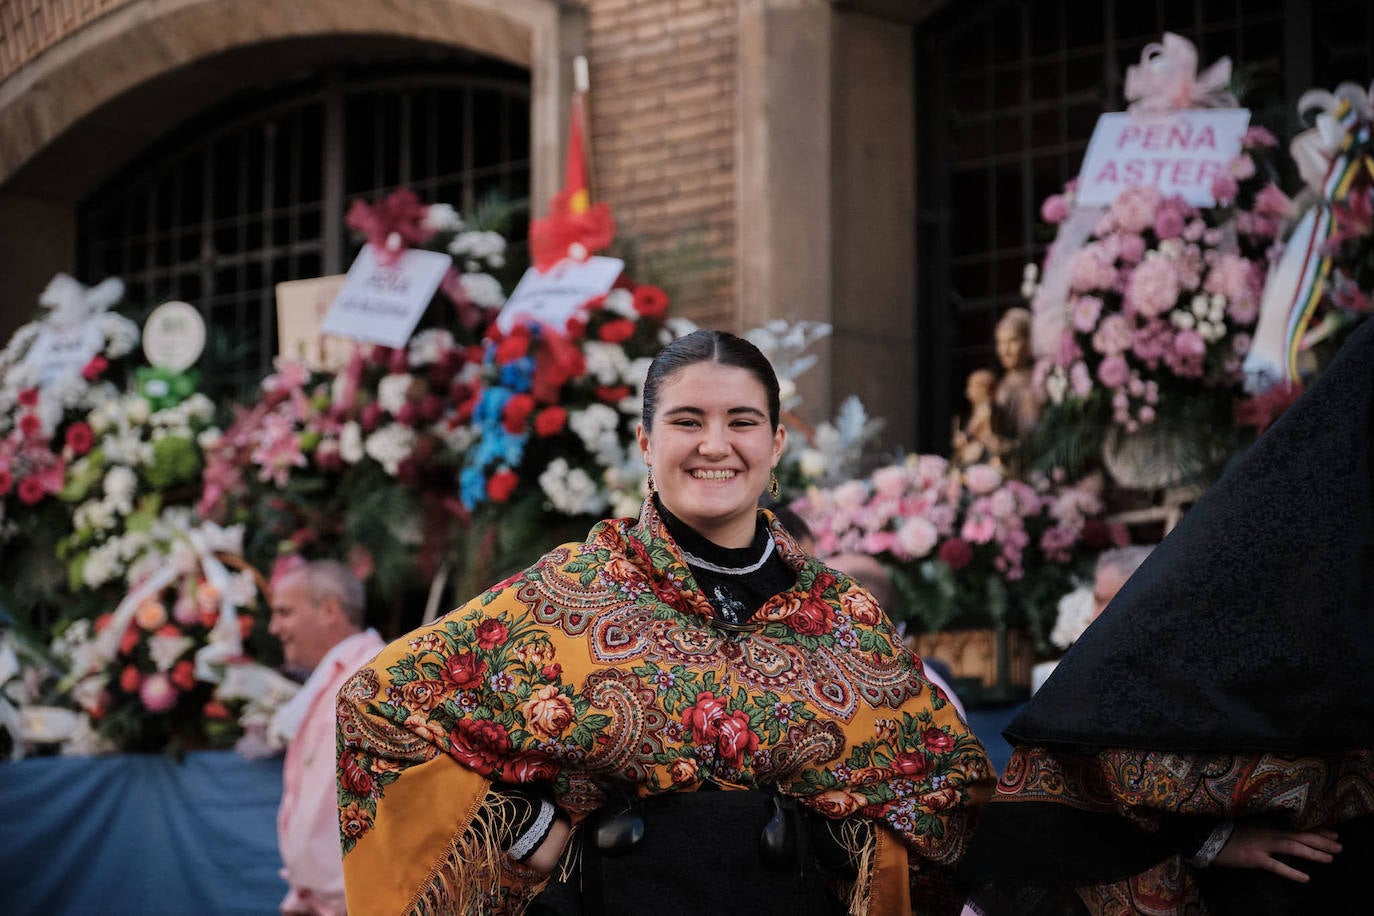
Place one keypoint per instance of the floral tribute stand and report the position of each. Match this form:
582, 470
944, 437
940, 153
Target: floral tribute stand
1148, 301
977, 560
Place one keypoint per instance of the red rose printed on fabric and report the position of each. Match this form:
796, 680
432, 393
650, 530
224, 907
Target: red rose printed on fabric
809, 616
703, 717
464, 671
353, 777
912, 765
668, 593
813, 618
528, 768
479, 744
491, 633
937, 741
736, 738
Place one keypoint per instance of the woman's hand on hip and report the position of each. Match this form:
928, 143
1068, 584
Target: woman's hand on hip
1257, 845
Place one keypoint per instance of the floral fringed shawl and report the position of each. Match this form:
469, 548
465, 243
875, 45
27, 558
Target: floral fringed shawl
600, 665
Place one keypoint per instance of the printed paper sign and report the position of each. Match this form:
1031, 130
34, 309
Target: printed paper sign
380, 304
63, 353
1179, 152
301, 308
174, 336
552, 298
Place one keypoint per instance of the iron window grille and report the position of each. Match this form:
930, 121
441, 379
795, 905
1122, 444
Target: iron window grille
243, 200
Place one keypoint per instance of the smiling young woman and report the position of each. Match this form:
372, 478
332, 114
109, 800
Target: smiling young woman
733, 726
711, 438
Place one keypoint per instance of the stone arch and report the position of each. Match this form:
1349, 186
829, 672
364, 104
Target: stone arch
141, 40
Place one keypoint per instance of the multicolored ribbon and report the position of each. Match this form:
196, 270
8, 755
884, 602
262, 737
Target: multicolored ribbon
1295, 284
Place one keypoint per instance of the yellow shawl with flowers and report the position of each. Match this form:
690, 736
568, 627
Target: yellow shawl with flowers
600, 664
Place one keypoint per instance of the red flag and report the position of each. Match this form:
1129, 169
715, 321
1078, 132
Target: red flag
575, 168
572, 228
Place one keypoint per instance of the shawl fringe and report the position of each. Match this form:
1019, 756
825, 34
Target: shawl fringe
862, 843
467, 878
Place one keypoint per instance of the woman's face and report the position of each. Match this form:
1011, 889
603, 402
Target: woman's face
711, 449
1011, 347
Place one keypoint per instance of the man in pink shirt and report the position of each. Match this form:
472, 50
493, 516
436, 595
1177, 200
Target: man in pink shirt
317, 614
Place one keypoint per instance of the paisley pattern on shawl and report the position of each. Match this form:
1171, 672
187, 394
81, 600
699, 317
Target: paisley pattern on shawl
601, 665
1147, 787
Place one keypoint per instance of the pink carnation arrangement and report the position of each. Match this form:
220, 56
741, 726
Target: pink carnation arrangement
1163, 297
966, 544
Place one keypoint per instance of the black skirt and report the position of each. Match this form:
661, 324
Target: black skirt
699, 853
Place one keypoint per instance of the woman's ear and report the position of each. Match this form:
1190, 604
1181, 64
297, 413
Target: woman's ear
779, 441
642, 437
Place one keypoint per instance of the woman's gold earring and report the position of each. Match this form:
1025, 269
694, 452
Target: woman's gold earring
773, 489
649, 481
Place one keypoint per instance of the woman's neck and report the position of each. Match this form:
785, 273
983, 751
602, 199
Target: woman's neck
739, 535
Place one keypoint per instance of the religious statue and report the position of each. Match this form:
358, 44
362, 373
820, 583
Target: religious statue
1003, 408
975, 442
1017, 401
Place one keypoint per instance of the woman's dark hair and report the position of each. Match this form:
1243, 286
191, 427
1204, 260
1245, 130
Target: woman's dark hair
720, 347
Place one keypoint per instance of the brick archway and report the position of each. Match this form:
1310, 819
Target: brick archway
57, 73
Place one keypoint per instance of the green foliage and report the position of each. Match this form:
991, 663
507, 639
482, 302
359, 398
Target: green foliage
932, 597
176, 460
1069, 437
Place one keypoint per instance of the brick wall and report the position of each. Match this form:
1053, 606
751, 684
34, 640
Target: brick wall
663, 129
663, 138
27, 27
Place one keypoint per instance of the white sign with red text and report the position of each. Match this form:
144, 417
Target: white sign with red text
1179, 152
381, 303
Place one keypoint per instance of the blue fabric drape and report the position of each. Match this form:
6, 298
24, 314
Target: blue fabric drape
140, 834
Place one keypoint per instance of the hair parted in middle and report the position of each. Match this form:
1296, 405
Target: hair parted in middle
706, 346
